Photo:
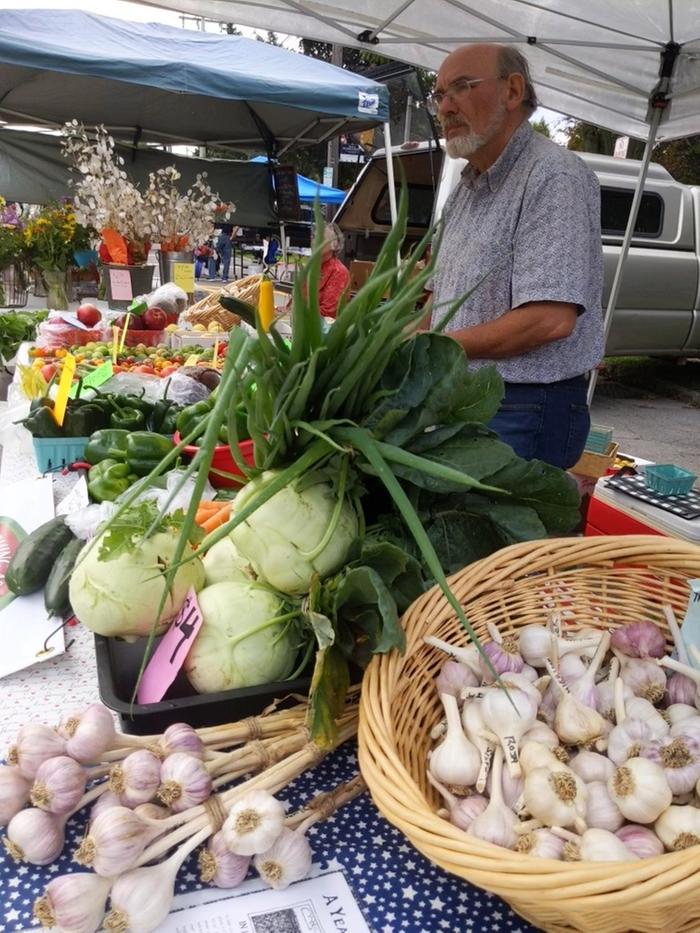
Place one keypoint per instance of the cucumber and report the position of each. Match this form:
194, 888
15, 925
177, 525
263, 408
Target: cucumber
31, 564
56, 590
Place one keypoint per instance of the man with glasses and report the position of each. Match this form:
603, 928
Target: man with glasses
525, 214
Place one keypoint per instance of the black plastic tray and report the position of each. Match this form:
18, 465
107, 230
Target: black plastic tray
118, 664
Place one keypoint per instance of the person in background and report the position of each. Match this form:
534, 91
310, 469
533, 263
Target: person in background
224, 248
527, 212
335, 278
202, 254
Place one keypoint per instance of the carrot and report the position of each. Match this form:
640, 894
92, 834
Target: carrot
218, 518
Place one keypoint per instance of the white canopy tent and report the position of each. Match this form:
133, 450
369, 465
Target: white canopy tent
632, 66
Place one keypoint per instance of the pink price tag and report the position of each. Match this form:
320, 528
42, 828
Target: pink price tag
120, 284
170, 654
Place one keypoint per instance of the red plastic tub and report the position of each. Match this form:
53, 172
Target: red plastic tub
223, 460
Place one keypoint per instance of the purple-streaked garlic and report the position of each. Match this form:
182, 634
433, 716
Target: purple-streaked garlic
287, 860
640, 840
503, 655
591, 767
455, 761
601, 810
495, 824
679, 687
253, 823
58, 786
640, 790
595, 845
35, 743
137, 778
35, 836
14, 792
678, 828
639, 640
454, 677
556, 796
152, 811
689, 672
181, 737
584, 688
509, 716
88, 734
681, 712
630, 734
221, 867
542, 843
467, 654
462, 810
474, 726
115, 840
535, 644
104, 802
644, 677
73, 903
184, 782
679, 757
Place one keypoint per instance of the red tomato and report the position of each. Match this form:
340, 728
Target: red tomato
48, 370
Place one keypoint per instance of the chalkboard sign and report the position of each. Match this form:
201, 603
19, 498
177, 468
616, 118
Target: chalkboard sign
287, 191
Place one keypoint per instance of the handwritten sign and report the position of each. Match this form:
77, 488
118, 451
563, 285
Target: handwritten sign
64, 386
287, 192
120, 284
183, 276
170, 654
94, 379
690, 629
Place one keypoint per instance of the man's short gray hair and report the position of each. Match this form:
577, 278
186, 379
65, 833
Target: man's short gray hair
512, 61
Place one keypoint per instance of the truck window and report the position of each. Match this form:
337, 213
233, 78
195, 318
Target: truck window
615, 205
421, 199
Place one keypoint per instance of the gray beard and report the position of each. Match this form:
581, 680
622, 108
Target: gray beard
461, 147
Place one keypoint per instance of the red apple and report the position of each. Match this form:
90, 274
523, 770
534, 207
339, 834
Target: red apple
135, 322
173, 317
88, 315
155, 318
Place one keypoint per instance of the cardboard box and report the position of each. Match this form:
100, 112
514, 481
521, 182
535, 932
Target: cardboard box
359, 273
595, 465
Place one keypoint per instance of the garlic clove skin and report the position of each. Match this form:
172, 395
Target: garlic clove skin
571, 667
453, 677
504, 658
601, 811
89, 734
137, 778
591, 767
253, 823
599, 845
14, 792
678, 828
626, 741
73, 903
556, 797
181, 737
104, 802
141, 899
679, 757
542, 735
116, 839
185, 782
462, 811
59, 785
680, 689
219, 866
541, 843
645, 678
640, 708
455, 761
474, 725
535, 643
640, 840
639, 640
287, 860
575, 723
35, 836
681, 712
640, 790
152, 811
35, 744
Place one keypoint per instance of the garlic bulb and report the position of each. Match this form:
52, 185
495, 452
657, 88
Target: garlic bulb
536, 644
454, 677
557, 797
685, 669
640, 790
181, 737
640, 708
468, 654
221, 867
58, 786
574, 722
605, 692
591, 767
602, 812
501, 655
496, 823
542, 843
679, 687
627, 740
474, 725
681, 712
640, 840
679, 828
104, 802
185, 782
152, 811
14, 792
287, 860
542, 734
509, 716
535, 755
88, 734
462, 810
644, 677
455, 761
35, 743
584, 688
253, 823
116, 839
596, 845
571, 667
35, 836
680, 759
639, 640
137, 778
73, 903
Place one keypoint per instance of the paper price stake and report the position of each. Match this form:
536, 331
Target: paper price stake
170, 654
64, 386
690, 629
115, 344
94, 379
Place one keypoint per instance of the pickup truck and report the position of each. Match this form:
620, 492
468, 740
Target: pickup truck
658, 310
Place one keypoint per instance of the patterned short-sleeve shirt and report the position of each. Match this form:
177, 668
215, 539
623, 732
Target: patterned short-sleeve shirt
532, 221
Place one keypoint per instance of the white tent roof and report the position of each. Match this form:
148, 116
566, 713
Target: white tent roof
597, 60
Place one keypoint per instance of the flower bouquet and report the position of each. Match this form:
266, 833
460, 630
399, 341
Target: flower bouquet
51, 237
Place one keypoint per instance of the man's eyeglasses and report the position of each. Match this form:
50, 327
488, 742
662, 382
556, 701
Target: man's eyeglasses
459, 88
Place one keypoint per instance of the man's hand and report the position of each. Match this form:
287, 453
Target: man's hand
518, 331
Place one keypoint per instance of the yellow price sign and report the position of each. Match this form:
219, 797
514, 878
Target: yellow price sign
64, 384
183, 276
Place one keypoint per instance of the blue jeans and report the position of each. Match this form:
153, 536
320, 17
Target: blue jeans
545, 421
224, 248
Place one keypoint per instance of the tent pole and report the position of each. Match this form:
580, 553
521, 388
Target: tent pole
390, 172
627, 239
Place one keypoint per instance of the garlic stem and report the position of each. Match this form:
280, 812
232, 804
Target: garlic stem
620, 712
469, 655
674, 665
676, 634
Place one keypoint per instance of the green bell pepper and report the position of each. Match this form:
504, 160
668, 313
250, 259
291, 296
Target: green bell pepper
109, 479
41, 422
191, 415
127, 419
168, 425
109, 444
145, 450
139, 403
84, 420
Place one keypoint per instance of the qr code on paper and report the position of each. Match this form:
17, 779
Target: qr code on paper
279, 921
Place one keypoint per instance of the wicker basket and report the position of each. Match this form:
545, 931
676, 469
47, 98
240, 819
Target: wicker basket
606, 580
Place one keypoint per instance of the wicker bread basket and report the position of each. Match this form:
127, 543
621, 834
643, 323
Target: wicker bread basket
606, 581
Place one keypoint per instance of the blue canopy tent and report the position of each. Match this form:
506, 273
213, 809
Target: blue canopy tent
150, 82
309, 189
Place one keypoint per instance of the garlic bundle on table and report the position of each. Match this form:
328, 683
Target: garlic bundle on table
582, 749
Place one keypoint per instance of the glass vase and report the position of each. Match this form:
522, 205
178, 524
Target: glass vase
57, 284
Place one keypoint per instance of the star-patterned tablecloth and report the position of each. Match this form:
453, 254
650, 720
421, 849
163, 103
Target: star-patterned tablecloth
397, 889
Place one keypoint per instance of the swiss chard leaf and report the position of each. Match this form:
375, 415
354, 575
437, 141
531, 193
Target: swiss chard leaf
364, 605
551, 492
399, 570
